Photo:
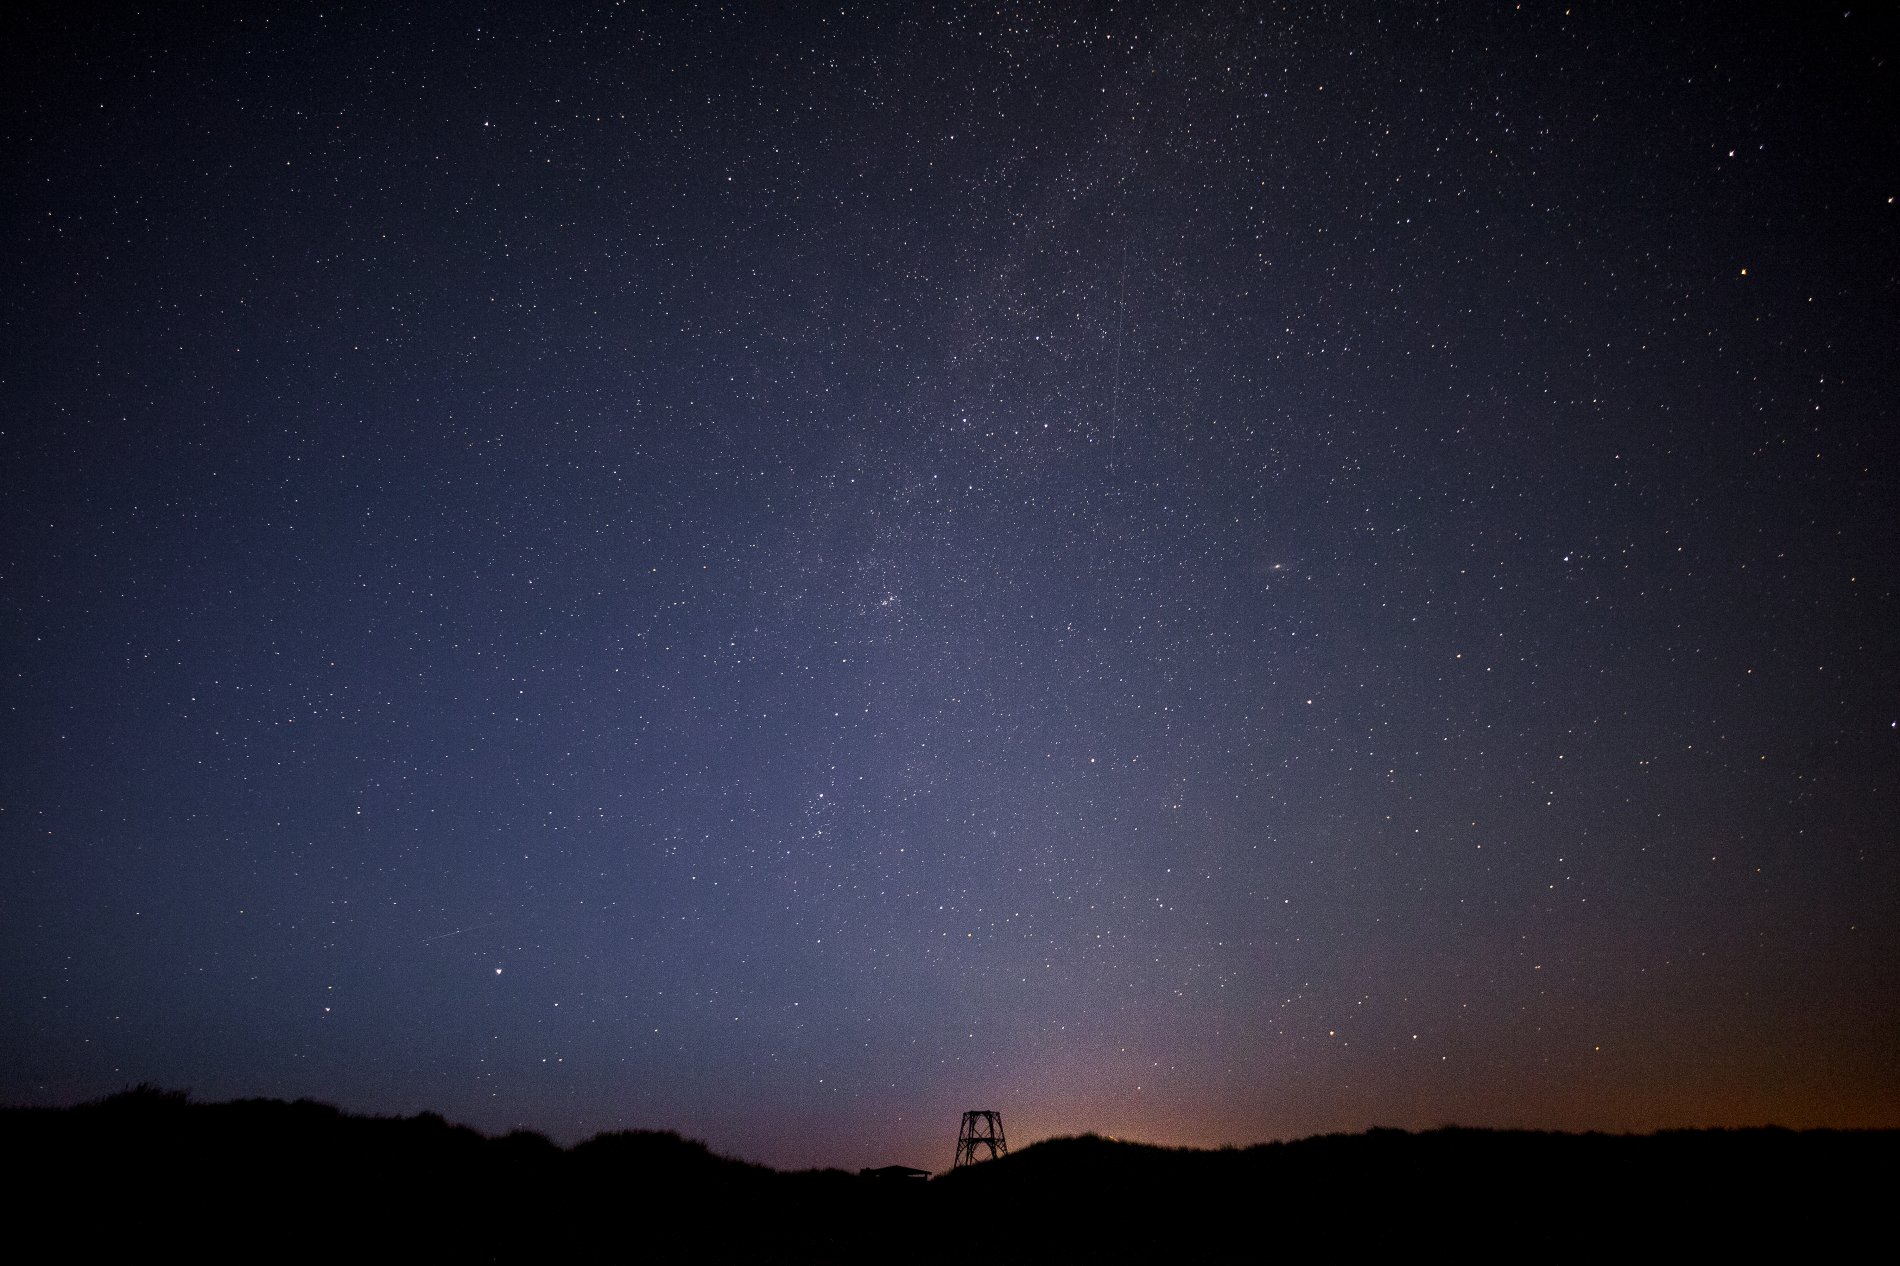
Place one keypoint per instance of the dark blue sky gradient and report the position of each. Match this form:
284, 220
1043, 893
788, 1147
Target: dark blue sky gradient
784, 572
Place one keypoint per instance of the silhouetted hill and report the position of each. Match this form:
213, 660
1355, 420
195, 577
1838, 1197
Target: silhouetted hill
1455, 1190
267, 1180
264, 1179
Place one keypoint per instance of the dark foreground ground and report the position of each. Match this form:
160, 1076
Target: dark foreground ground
265, 1180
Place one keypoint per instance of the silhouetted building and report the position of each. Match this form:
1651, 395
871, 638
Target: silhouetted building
894, 1173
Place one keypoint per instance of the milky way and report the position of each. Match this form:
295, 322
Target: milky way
787, 573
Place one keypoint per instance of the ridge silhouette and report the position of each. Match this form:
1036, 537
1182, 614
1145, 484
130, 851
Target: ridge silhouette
303, 1181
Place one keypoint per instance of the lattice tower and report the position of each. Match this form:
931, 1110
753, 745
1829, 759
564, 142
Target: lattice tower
982, 1131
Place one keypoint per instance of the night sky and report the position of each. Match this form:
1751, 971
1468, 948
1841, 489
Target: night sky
786, 571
